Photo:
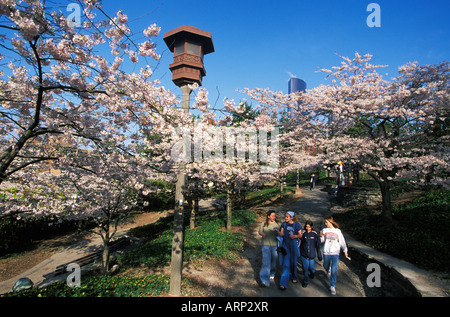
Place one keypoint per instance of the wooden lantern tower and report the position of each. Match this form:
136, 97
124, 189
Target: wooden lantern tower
188, 45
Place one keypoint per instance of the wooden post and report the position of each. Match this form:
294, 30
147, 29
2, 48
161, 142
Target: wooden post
176, 265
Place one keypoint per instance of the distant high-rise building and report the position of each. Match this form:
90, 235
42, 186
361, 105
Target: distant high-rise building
295, 85
298, 85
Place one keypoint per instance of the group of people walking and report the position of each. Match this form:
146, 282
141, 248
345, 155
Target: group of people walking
287, 241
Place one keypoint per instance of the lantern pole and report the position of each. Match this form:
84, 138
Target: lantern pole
176, 265
189, 44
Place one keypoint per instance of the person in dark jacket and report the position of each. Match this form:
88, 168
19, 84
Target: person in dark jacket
309, 248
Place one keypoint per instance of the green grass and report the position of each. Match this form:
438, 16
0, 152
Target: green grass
267, 193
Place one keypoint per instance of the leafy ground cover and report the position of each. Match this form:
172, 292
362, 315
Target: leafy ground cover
207, 240
267, 193
419, 233
103, 286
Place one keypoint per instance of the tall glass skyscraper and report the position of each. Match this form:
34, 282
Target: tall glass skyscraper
296, 84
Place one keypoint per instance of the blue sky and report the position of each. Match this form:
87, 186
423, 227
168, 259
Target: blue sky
258, 43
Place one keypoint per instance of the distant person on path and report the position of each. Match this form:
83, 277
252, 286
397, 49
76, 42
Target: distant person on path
291, 232
312, 182
309, 248
268, 230
334, 242
355, 170
340, 172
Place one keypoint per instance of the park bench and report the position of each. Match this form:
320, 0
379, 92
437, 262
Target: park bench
91, 258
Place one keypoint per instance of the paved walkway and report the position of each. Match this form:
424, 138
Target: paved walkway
315, 206
71, 253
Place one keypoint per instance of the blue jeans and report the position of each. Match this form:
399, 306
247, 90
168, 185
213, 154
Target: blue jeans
333, 259
290, 265
308, 265
269, 263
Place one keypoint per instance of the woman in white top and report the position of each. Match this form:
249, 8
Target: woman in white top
334, 242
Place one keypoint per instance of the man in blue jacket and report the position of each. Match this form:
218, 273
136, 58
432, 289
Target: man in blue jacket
309, 247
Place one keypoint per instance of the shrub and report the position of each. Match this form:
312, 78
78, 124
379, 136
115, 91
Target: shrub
19, 235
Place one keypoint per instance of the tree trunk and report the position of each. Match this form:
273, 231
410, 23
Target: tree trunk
105, 254
196, 205
192, 211
386, 201
229, 206
385, 187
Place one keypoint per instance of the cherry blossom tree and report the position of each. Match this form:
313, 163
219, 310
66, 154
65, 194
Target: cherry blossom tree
105, 189
228, 155
58, 91
392, 128
64, 91
298, 148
